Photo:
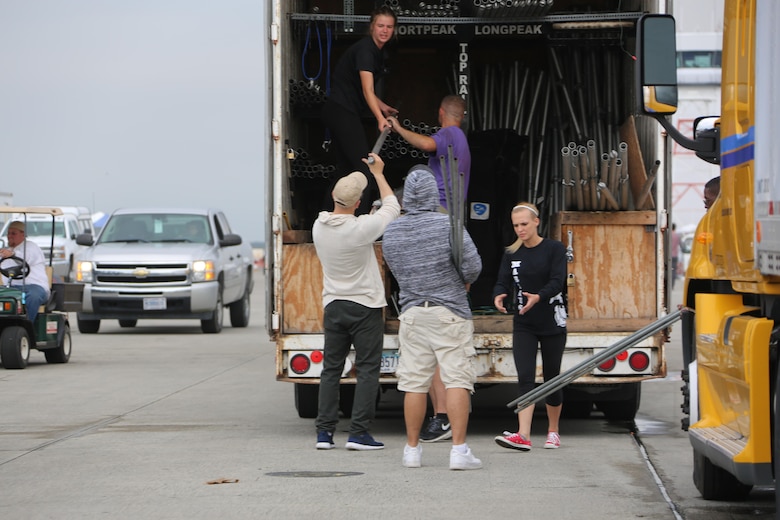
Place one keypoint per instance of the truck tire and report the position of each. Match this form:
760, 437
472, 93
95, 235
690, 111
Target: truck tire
61, 354
577, 409
715, 483
88, 326
623, 409
307, 400
128, 324
240, 310
14, 347
213, 325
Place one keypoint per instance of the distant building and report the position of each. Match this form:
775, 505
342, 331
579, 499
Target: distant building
699, 47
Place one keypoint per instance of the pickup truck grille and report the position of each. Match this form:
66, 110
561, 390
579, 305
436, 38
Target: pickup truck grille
141, 275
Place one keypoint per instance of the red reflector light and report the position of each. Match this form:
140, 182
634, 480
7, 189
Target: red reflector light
316, 356
639, 361
608, 365
300, 364
622, 356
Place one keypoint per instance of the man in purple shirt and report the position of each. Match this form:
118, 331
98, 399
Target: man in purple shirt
451, 112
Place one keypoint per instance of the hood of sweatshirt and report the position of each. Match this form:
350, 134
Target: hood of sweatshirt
420, 190
332, 219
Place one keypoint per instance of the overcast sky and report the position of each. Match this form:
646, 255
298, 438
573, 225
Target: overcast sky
118, 103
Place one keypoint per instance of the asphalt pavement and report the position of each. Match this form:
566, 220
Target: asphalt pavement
162, 421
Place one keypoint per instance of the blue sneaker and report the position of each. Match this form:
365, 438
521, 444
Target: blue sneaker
364, 441
325, 440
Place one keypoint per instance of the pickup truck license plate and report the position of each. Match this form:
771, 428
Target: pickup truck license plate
155, 304
389, 363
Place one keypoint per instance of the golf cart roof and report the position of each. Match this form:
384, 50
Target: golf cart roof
42, 210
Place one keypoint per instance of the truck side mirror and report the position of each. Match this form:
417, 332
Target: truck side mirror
657, 64
84, 239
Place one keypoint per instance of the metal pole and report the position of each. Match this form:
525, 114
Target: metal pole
561, 380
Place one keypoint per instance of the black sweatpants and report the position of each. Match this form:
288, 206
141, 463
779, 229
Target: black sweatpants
524, 346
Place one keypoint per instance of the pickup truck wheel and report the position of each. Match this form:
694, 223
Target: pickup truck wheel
14, 347
61, 354
128, 324
213, 325
88, 326
239, 311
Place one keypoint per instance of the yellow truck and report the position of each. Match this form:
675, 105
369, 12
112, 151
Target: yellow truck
732, 286
551, 119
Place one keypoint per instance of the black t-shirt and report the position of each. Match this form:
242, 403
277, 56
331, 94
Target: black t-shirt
346, 89
538, 270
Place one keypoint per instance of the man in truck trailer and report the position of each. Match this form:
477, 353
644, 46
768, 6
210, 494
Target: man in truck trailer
353, 295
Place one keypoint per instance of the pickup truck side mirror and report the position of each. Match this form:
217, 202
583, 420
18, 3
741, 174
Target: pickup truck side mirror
230, 240
85, 239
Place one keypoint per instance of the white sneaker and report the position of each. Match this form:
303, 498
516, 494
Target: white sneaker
464, 460
412, 456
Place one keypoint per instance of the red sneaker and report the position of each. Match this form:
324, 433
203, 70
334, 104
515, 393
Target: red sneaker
553, 440
514, 441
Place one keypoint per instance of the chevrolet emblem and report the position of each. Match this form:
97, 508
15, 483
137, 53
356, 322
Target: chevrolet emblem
141, 272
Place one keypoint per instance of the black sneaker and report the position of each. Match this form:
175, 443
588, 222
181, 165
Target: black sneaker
437, 430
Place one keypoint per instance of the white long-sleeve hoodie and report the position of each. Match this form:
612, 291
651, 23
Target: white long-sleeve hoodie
345, 247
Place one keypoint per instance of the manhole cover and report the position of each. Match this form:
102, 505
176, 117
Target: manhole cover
313, 474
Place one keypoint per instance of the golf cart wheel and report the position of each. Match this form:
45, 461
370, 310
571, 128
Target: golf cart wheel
14, 347
61, 354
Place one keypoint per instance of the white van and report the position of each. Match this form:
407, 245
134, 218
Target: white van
73, 222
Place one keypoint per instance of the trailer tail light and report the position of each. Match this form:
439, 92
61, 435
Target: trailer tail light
316, 356
639, 361
608, 365
622, 356
300, 364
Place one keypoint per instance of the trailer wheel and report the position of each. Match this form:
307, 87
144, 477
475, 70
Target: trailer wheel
715, 483
14, 347
61, 354
346, 399
577, 409
306, 400
624, 409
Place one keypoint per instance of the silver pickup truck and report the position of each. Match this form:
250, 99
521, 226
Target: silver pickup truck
165, 264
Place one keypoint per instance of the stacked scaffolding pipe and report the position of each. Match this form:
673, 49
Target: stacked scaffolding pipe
443, 8
306, 94
587, 179
511, 8
302, 167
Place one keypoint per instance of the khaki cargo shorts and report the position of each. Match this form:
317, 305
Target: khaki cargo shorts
434, 335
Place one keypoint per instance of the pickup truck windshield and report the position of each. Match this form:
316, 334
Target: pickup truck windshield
157, 228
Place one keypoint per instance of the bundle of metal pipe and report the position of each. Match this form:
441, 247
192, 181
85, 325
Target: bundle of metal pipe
552, 106
592, 184
444, 8
512, 8
303, 167
305, 94
396, 146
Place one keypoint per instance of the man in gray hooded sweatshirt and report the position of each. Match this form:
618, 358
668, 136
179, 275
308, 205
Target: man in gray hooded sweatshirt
436, 325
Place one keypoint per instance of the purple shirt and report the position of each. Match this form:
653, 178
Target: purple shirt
460, 149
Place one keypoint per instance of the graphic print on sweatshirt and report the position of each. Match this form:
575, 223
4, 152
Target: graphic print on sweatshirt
515, 266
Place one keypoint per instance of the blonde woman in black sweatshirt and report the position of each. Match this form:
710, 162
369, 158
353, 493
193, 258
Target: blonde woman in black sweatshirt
533, 275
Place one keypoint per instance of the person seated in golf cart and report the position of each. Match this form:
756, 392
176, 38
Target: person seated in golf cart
33, 278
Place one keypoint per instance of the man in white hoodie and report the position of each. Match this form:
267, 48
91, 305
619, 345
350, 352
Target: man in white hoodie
353, 295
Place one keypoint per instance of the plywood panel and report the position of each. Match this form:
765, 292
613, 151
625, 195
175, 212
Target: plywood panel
613, 274
302, 286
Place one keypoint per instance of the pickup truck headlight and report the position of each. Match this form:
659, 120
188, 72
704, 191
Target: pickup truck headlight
58, 254
84, 272
203, 271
